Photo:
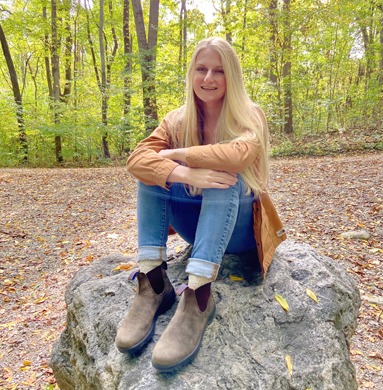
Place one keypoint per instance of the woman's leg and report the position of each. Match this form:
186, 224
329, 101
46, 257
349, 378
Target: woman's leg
224, 215
225, 224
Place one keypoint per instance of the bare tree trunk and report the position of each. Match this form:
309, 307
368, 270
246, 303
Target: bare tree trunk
68, 54
103, 81
381, 48
273, 6
46, 57
92, 47
225, 11
127, 52
127, 70
34, 75
16, 94
182, 57
288, 98
56, 80
147, 49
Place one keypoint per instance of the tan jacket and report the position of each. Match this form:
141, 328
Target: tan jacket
150, 168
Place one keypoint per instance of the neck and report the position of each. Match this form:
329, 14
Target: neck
212, 111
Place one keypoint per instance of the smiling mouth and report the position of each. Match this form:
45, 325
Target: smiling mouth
209, 89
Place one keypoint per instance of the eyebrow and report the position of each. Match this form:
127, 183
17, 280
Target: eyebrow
200, 64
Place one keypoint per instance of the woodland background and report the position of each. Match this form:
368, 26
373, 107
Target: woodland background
82, 82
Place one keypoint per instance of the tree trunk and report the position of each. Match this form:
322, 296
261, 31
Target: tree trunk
288, 100
273, 6
183, 37
92, 47
56, 80
16, 94
381, 48
127, 52
103, 82
147, 49
68, 54
46, 57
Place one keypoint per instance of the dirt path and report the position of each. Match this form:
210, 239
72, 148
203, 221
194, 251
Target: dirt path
54, 221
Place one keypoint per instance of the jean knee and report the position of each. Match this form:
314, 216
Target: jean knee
239, 189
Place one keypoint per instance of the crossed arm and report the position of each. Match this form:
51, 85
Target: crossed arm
198, 177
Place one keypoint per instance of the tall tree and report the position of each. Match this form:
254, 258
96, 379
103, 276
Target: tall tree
183, 37
56, 79
287, 82
127, 53
46, 54
147, 49
16, 94
104, 103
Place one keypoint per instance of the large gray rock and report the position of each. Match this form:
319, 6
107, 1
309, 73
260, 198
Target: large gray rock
245, 346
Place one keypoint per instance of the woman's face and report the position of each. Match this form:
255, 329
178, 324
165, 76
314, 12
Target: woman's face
209, 81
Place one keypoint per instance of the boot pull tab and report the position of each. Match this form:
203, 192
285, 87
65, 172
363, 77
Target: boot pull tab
181, 288
133, 275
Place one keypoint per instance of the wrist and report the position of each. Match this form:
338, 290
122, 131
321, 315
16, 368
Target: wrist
178, 175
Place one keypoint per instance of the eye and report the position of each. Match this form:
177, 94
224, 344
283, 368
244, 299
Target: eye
201, 69
220, 71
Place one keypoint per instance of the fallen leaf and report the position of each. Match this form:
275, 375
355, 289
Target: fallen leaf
355, 352
41, 300
289, 364
126, 266
282, 301
178, 248
27, 363
98, 276
375, 355
368, 385
312, 295
236, 278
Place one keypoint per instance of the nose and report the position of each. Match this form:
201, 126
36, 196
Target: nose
209, 76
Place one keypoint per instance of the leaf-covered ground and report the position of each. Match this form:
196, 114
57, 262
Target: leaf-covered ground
53, 221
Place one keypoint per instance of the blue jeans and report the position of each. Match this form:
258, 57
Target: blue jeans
220, 221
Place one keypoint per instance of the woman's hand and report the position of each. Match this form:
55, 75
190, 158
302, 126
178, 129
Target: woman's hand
202, 178
174, 154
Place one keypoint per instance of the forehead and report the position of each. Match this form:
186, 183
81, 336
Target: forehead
208, 56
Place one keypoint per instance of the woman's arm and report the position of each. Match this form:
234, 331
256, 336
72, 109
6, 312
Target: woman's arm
202, 178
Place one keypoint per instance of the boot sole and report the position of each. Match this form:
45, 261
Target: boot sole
188, 359
164, 307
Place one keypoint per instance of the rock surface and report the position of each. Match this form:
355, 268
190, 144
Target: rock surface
245, 346
357, 235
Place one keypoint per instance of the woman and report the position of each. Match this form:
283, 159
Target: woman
204, 171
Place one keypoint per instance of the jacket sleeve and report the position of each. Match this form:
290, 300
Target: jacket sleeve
232, 157
146, 165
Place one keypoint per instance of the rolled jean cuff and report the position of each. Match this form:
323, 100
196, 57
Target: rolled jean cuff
151, 253
202, 268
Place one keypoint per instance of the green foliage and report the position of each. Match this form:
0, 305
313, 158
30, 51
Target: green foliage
337, 74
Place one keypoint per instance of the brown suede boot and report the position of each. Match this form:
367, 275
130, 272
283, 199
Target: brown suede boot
155, 295
182, 339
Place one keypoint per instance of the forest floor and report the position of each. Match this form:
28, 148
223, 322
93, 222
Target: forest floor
54, 221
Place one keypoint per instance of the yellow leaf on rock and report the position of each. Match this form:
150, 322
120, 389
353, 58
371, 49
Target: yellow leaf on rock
178, 249
282, 301
355, 352
236, 278
127, 266
289, 364
27, 363
312, 295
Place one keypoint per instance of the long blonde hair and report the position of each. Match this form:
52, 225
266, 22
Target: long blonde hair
240, 119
